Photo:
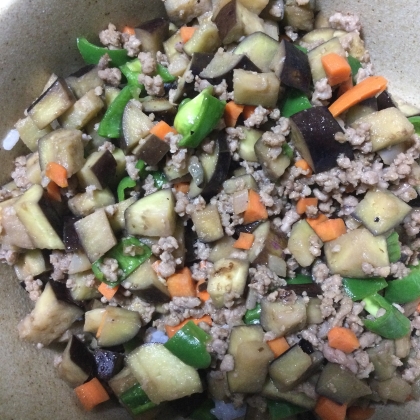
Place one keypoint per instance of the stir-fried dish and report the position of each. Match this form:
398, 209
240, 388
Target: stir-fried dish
218, 218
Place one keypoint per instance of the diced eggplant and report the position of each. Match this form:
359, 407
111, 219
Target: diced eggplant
313, 310
161, 374
207, 224
95, 234
62, 293
311, 289
229, 22
42, 222
152, 34
70, 238
54, 102
299, 17
99, 170
229, 277
319, 35
62, 146
93, 319
238, 183
79, 262
108, 364
83, 204
31, 264
382, 356
179, 235
77, 364
153, 215
340, 385
313, 134
394, 389
403, 345
380, 211
366, 107
161, 108
84, 80
223, 248
355, 248
135, 124
182, 12
222, 66
384, 101
205, 39
122, 381
246, 145
283, 318
292, 67
117, 220
30, 133
80, 292
151, 149
49, 319
251, 88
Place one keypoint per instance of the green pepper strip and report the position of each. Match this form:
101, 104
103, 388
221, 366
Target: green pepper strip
159, 179
358, 289
189, 345
136, 400
300, 279
405, 290
393, 324
416, 122
128, 183
92, 54
295, 102
252, 316
111, 123
198, 117
394, 247
287, 150
163, 72
127, 263
281, 409
355, 65
203, 412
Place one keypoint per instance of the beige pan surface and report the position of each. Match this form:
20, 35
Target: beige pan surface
37, 38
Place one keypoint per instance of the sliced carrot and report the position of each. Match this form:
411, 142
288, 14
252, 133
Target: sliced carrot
181, 284
128, 30
53, 191
317, 220
203, 295
248, 111
302, 164
278, 346
244, 241
182, 187
232, 112
360, 413
343, 339
336, 67
57, 173
186, 32
363, 90
108, 291
330, 410
91, 394
304, 203
171, 330
256, 209
330, 229
161, 129
345, 86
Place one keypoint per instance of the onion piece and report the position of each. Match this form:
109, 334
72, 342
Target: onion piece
195, 168
12, 137
240, 201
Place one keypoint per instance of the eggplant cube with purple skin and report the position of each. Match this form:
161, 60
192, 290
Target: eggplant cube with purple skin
313, 133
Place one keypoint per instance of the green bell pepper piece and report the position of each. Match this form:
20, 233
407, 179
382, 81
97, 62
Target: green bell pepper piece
196, 118
355, 65
189, 345
159, 179
136, 400
393, 324
111, 123
163, 72
279, 410
358, 289
303, 49
131, 70
287, 150
416, 122
295, 102
252, 316
203, 412
92, 53
300, 279
125, 183
405, 290
393, 247
127, 263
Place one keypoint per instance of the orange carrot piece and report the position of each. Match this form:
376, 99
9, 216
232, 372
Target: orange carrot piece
256, 209
317, 220
363, 90
278, 346
203, 295
418, 308
181, 284
302, 164
336, 67
330, 410
53, 191
108, 291
304, 203
186, 33
171, 330
343, 339
244, 241
232, 112
345, 86
128, 30
182, 187
57, 173
91, 394
360, 413
161, 129
248, 111
330, 229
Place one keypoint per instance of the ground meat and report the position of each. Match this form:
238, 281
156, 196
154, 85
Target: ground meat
322, 92
111, 76
262, 279
134, 303
130, 167
341, 358
345, 308
33, 287
289, 219
228, 363
289, 31
346, 22
110, 37
185, 206
201, 250
154, 84
364, 72
60, 262
110, 269
224, 205
19, 174
178, 160
277, 9
181, 308
104, 62
412, 223
149, 185
258, 117
131, 44
164, 249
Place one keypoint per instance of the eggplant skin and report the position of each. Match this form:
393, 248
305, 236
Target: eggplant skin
313, 133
